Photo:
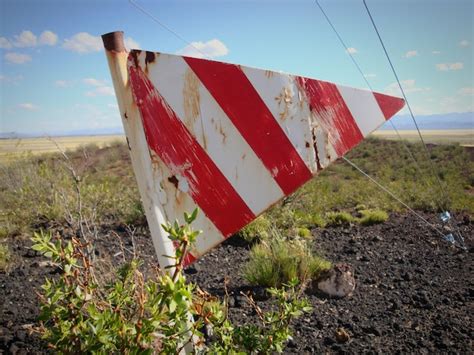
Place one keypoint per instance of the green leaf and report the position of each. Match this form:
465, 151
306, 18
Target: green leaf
37, 247
172, 306
193, 215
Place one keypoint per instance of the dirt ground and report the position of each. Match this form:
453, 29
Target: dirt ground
414, 291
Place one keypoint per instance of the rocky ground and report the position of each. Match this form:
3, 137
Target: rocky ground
414, 291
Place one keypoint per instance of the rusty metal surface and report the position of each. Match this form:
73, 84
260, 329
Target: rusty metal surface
233, 140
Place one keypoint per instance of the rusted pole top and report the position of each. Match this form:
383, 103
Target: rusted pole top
113, 41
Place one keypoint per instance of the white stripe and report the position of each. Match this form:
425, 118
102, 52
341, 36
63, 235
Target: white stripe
280, 94
214, 131
363, 107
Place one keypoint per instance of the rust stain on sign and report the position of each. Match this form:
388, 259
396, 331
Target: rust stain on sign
268, 73
191, 97
150, 57
285, 99
174, 180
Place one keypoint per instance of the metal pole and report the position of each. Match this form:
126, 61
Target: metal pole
117, 57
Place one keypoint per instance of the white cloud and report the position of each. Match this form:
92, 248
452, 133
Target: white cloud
210, 49
93, 82
351, 50
61, 83
370, 75
101, 91
29, 39
48, 38
25, 39
11, 79
467, 91
409, 86
410, 54
28, 106
17, 58
449, 66
100, 88
436, 52
5, 43
83, 42
464, 43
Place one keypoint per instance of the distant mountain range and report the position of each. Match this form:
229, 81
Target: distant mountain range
434, 122
79, 132
402, 122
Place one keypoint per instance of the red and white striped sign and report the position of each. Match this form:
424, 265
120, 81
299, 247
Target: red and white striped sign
233, 140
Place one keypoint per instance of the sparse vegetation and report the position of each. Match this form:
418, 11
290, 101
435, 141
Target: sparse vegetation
340, 188
37, 191
134, 315
275, 262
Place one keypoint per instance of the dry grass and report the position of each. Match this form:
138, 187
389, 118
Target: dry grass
11, 149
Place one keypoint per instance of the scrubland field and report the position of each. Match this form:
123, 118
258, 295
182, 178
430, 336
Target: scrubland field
413, 288
11, 148
460, 136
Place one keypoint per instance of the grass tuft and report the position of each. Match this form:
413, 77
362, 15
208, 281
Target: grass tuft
339, 218
277, 261
256, 231
304, 233
371, 217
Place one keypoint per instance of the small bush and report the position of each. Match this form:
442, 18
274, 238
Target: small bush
339, 218
277, 261
258, 230
370, 217
133, 315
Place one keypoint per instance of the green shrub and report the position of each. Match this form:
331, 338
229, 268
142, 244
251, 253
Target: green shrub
339, 218
370, 217
274, 331
134, 315
128, 314
277, 261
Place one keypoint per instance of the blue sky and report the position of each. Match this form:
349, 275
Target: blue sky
54, 76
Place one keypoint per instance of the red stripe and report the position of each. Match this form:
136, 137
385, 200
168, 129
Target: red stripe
168, 137
240, 101
189, 259
329, 106
388, 104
